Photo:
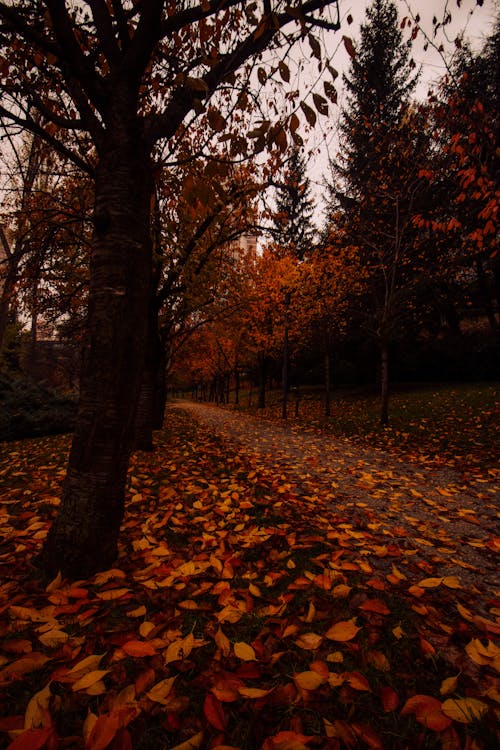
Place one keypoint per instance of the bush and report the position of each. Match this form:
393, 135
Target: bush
29, 409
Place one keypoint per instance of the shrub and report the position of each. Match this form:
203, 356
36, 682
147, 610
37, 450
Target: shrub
29, 409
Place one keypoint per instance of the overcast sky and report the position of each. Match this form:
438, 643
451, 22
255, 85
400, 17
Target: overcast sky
476, 25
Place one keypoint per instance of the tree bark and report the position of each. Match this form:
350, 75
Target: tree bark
83, 538
384, 383
261, 400
328, 397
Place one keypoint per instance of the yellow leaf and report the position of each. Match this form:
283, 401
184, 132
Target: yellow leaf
309, 641
223, 642
308, 680
398, 632
464, 710
137, 612
449, 685
335, 680
452, 582
98, 688
244, 652
108, 575
36, 710
481, 654
336, 657
430, 583
341, 591
397, 573
53, 638
179, 649
88, 679
343, 631
111, 594
145, 628
161, 690
378, 660
55, 584
88, 725
87, 665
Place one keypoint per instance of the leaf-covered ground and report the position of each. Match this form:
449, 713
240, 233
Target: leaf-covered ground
246, 610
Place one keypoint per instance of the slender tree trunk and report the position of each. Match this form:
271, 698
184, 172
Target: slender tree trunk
384, 383
147, 417
83, 538
8, 286
160, 400
328, 393
486, 295
286, 358
236, 385
261, 401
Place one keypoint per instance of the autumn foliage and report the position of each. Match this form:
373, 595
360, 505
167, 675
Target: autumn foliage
248, 608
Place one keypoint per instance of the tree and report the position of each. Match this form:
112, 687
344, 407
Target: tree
109, 81
376, 180
292, 225
465, 171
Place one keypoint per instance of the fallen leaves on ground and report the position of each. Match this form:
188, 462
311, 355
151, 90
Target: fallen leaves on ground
242, 612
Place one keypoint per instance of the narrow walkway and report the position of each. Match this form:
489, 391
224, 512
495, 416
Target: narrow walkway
431, 507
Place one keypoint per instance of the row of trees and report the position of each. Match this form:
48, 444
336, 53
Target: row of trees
143, 113
408, 247
123, 91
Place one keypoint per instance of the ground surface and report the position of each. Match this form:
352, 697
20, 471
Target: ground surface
423, 505
275, 588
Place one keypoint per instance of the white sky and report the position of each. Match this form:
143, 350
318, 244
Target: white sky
475, 22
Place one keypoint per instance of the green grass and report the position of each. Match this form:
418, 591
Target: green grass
457, 423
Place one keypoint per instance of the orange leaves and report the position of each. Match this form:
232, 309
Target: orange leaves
244, 651
427, 711
309, 680
298, 601
138, 648
343, 631
464, 710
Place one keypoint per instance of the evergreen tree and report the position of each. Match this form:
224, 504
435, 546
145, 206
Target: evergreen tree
293, 227
378, 85
375, 181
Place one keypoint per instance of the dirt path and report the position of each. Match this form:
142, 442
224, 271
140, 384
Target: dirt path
449, 518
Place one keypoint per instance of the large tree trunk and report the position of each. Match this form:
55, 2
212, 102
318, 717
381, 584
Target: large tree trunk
83, 538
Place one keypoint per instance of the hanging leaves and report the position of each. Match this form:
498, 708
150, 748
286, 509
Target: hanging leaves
309, 113
348, 44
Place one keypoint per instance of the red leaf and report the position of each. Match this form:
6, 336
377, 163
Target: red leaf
32, 739
375, 605
102, 732
139, 648
389, 698
212, 708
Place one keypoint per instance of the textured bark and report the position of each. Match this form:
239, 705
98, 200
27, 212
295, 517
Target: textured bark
384, 383
83, 538
328, 398
261, 400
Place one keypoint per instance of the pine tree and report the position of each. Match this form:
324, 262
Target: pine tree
378, 85
293, 227
375, 181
